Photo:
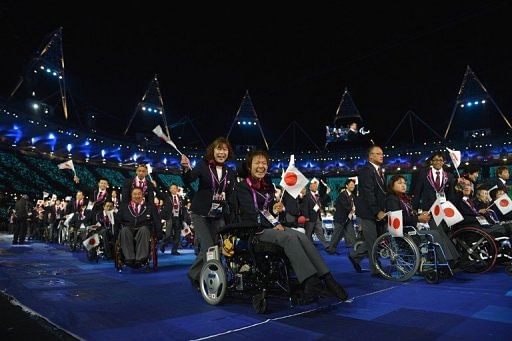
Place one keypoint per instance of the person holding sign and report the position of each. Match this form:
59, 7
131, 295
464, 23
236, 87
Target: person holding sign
209, 205
255, 204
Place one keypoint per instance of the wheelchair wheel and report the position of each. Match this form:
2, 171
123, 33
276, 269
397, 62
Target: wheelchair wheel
118, 262
358, 244
477, 249
396, 258
154, 252
432, 277
259, 303
213, 282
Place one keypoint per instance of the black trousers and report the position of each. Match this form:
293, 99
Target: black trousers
20, 230
173, 233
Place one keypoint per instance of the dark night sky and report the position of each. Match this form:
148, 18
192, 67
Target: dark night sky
295, 61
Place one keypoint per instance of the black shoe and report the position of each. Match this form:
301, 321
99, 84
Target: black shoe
355, 264
335, 288
313, 288
162, 248
175, 253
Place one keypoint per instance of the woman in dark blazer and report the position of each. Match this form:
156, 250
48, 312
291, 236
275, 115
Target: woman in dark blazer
254, 201
397, 199
209, 204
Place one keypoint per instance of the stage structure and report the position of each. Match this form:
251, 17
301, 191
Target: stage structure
412, 118
473, 101
149, 112
287, 141
246, 133
348, 126
41, 73
180, 133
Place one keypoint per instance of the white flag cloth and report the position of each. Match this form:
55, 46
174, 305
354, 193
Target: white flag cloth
160, 133
455, 156
396, 223
68, 219
292, 180
150, 169
67, 165
437, 212
90, 205
92, 241
45, 195
451, 214
504, 204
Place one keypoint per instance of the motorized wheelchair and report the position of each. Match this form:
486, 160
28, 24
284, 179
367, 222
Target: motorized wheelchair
400, 258
151, 263
481, 249
242, 265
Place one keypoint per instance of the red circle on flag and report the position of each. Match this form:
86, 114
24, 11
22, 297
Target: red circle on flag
92, 241
449, 212
503, 202
290, 178
437, 210
396, 223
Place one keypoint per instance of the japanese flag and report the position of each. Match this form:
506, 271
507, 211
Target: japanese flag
504, 204
92, 241
185, 231
292, 180
452, 216
455, 156
437, 212
396, 223
67, 165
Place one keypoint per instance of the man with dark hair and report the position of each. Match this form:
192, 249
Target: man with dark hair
139, 181
99, 195
345, 211
472, 175
172, 213
370, 206
23, 209
432, 183
502, 176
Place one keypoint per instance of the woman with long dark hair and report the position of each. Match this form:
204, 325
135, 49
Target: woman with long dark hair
255, 204
209, 204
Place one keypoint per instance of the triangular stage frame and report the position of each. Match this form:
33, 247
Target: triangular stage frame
347, 108
247, 106
294, 126
152, 93
411, 115
183, 122
39, 63
470, 76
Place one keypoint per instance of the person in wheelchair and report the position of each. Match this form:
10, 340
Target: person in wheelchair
484, 218
137, 218
493, 195
107, 227
397, 199
254, 203
78, 227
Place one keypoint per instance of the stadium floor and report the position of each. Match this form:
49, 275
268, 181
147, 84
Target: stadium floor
94, 302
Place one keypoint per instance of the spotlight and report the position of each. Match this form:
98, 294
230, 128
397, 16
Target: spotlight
462, 105
35, 106
143, 108
69, 147
48, 70
476, 102
483, 101
469, 104
51, 136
